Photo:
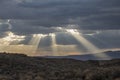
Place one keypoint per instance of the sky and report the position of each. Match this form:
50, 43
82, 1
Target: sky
59, 27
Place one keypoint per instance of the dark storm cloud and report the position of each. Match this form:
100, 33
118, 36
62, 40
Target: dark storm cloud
23, 27
1, 1
4, 27
105, 39
2, 34
39, 15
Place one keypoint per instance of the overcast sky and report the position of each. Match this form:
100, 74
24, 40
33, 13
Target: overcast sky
97, 20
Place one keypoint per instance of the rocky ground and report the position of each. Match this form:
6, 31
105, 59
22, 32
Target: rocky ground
22, 67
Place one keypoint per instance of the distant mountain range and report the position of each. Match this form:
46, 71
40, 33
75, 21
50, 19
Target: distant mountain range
97, 56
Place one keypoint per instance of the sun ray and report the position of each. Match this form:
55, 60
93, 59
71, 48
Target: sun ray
89, 46
36, 38
54, 45
9, 25
101, 41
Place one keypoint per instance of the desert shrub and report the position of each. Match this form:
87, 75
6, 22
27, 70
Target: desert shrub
21, 67
100, 73
5, 77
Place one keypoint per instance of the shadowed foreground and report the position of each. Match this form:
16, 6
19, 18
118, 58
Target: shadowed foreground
22, 67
